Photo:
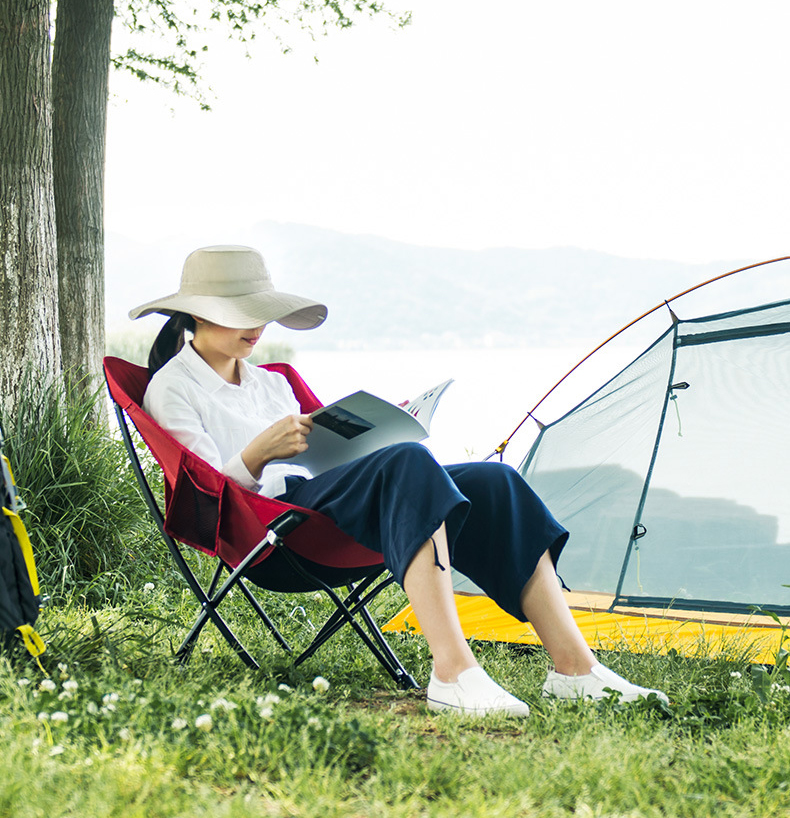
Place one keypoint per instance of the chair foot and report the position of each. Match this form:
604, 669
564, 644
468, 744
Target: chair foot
406, 681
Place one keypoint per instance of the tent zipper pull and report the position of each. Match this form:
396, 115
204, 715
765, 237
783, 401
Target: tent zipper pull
674, 398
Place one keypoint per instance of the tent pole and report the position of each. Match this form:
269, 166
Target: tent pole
638, 530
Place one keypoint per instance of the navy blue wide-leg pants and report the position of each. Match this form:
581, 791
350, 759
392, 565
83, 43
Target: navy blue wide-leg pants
393, 500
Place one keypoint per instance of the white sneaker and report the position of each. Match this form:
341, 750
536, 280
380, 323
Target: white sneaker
475, 693
597, 684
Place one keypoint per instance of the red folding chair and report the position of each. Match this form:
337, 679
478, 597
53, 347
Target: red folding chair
207, 511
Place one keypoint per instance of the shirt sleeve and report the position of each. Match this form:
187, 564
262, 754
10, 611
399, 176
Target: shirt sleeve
173, 408
236, 470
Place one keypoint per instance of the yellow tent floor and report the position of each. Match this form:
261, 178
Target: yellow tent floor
754, 638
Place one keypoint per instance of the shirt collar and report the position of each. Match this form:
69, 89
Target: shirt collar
210, 380
245, 372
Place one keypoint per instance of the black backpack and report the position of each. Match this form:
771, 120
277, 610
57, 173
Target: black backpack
20, 597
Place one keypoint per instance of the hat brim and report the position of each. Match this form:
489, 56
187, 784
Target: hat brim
242, 311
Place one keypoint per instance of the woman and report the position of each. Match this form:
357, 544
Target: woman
482, 518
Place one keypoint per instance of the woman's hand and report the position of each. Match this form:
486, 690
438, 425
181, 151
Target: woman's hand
284, 439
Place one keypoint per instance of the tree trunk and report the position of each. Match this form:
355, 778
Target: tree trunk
81, 64
28, 252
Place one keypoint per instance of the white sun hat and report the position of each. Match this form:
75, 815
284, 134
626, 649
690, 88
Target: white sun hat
229, 285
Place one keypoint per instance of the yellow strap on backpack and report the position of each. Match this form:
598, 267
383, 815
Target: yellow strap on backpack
30, 637
27, 548
33, 642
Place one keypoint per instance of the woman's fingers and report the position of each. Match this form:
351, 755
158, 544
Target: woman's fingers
291, 434
283, 439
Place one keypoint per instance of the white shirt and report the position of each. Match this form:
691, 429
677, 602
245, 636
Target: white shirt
216, 419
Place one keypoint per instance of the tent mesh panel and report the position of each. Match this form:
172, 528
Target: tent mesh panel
689, 445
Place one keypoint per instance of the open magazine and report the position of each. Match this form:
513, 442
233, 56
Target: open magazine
361, 423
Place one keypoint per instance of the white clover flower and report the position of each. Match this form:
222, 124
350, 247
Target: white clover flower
148, 587
57, 750
320, 684
317, 596
223, 704
178, 724
284, 688
43, 716
109, 698
48, 685
108, 708
314, 721
268, 699
59, 716
92, 708
23, 682
735, 674
266, 712
69, 688
124, 734
204, 723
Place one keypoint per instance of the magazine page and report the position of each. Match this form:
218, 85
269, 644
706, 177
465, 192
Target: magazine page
423, 406
360, 424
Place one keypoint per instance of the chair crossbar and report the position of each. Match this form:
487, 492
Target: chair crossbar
211, 600
345, 613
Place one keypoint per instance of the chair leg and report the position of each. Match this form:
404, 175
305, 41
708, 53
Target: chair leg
355, 604
252, 599
209, 611
403, 678
345, 614
214, 580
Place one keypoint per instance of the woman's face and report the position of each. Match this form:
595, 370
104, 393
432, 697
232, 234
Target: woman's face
224, 341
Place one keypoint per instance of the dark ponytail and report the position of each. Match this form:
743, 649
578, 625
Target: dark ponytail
169, 341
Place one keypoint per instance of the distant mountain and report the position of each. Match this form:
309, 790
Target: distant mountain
386, 294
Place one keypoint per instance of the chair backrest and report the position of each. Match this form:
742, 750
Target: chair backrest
206, 510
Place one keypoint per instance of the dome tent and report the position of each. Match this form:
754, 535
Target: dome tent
674, 477
674, 480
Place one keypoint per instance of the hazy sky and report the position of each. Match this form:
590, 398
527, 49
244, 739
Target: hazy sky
644, 129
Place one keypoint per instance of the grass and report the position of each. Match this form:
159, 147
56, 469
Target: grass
363, 747
118, 728
83, 513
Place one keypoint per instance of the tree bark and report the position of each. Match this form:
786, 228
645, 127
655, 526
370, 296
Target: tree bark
81, 64
28, 251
